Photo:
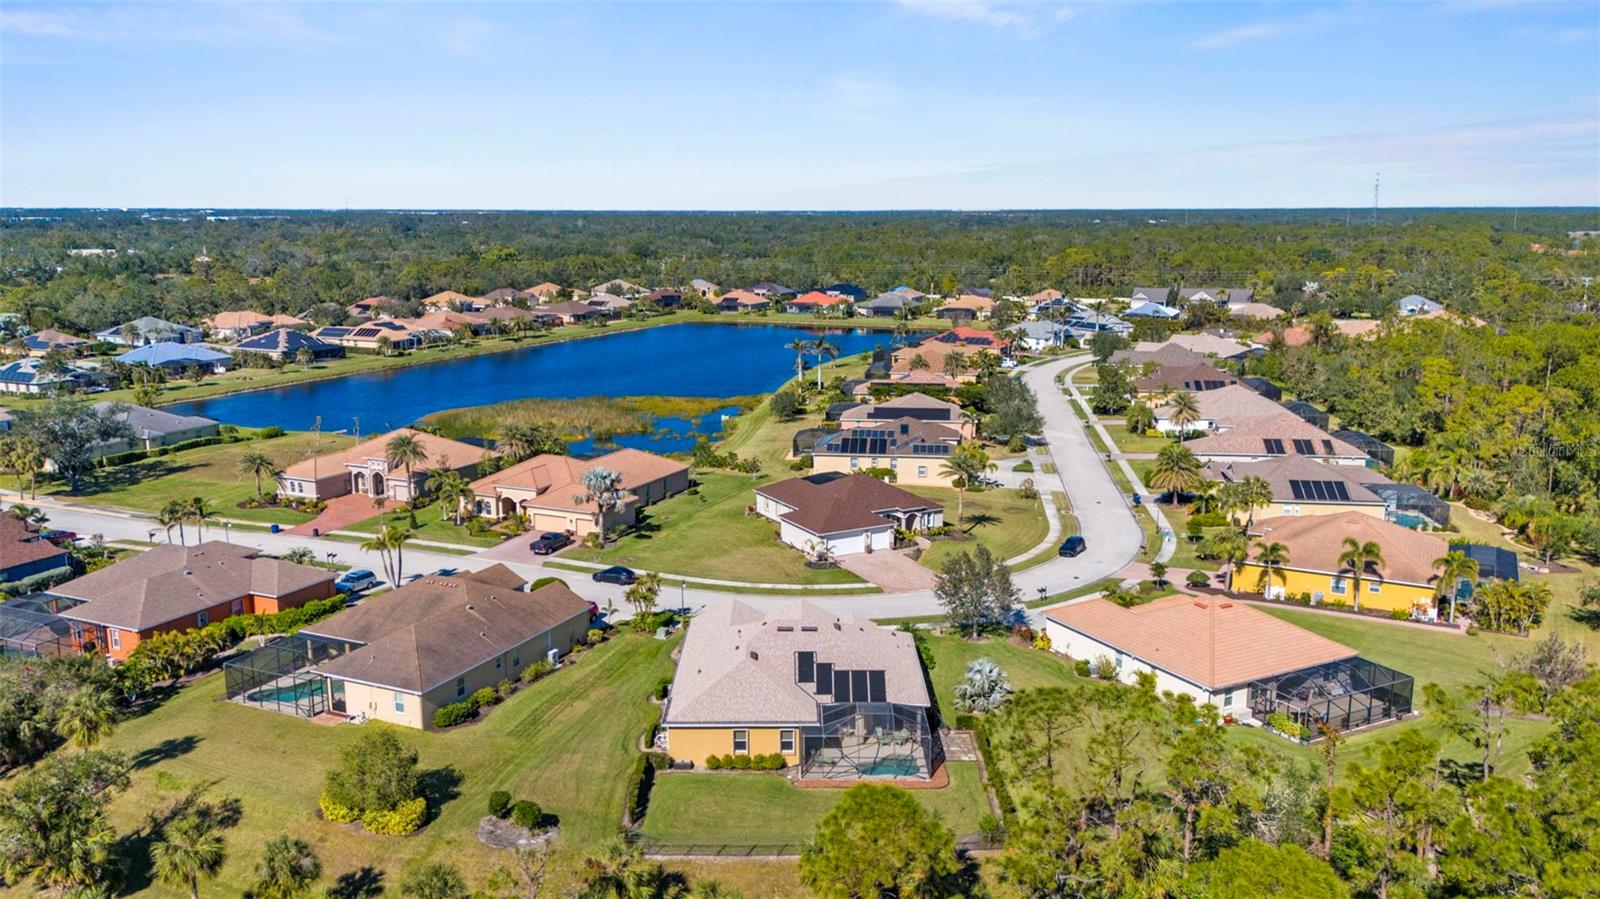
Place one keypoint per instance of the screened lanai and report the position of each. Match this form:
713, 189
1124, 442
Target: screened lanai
275, 678
31, 626
868, 739
1348, 694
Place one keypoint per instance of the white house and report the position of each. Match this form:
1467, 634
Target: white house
839, 515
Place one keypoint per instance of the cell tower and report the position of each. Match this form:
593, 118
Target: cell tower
1375, 180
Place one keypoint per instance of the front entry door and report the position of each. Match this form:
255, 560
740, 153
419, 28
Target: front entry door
336, 695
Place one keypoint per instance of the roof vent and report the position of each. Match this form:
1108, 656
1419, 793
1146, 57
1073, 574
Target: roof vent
188, 573
1225, 605
755, 656
837, 627
469, 606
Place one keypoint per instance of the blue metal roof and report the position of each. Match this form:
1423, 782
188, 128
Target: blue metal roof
173, 354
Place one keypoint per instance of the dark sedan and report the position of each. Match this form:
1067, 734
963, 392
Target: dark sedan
549, 543
616, 574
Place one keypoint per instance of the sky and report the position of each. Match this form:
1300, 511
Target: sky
916, 104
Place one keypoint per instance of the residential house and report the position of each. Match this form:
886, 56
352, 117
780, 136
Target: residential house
1204, 344
370, 306
1152, 310
400, 656
887, 305
450, 301
666, 298
934, 356
610, 304
910, 293
178, 356
975, 338
1405, 580
500, 296
772, 290
31, 375
1167, 379
707, 289
1039, 336
838, 696
549, 490
913, 449
286, 344
40, 342
1231, 296
1415, 305
24, 552
1243, 426
153, 428
174, 588
744, 301
1303, 486
1056, 307
237, 325
1307, 413
1158, 295
835, 514
1085, 326
1300, 335
911, 405
542, 293
967, 306
621, 288
571, 312
148, 330
817, 303
1256, 311
371, 336
1045, 296
985, 292
1163, 354
1247, 664
364, 468
852, 292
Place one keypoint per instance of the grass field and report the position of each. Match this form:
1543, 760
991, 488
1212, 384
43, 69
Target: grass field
566, 742
750, 808
708, 535
1000, 519
208, 471
431, 525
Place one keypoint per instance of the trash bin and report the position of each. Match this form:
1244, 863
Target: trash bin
1138, 500
273, 529
315, 532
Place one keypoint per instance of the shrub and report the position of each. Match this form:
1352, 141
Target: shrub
991, 828
661, 688
714, 762
644, 777
526, 813
1042, 641
658, 760
741, 763
541, 582
997, 778
596, 636
1210, 519
269, 432
485, 696
505, 688
536, 670
1197, 578
1400, 614
1105, 669
499, 803
1081, 666
454, 713
399, 822
333, 811
1025, 466
775, 762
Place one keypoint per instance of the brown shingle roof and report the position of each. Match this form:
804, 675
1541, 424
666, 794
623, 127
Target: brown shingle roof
422, 635
169, 582
1185, 377
1279, 472
1208, 641
1248, 436
1316, 541
828, 504
19, 545
737, 667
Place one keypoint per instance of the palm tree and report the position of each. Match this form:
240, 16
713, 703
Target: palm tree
86, 717
1256, 492
800, 347
404, 449
190, 849
394, 537
1358, 556
1206, 495
954, 364
1176, 469
380, 546
966, 463
1455, 567
825, 351
174, 514
200, 512
1272, 557
1139, 419
1184, 411
453, 491
287, 868
257, 464
603, 487
644, 592
519, 441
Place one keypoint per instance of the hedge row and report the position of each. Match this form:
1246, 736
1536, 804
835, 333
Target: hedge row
396, 822
997, 778
770, 762
640, 783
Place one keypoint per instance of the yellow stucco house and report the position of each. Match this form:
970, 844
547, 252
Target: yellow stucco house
915, 450
838, 696
1405, 579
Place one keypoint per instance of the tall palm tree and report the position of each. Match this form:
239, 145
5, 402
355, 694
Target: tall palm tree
287, 868
801, 347
453, 491
378, 544
1256, 492
1455, 567
1139, 419
85, 717
1206, 494
200, 512
955, 364
258, 465
966, 463
1358, 556
644, 592
1272, 557
395, 536
405, 450
174, 514
518, 441
1185, 411
826, 350
191, 849
1176, 469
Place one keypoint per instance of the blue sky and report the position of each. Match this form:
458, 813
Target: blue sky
915, 104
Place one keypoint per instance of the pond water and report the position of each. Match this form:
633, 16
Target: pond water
699, 360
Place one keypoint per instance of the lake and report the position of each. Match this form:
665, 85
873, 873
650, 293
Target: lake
700, 360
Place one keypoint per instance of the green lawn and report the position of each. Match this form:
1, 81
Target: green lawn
1000, 519
567, 742
208, 471
707, 534
766, 808
431, 525
1025, 668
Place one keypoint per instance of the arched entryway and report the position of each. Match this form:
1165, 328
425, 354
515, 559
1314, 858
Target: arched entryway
377, 484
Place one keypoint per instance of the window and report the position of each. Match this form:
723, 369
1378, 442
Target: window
922, 471
116, 638
516, 660
1338, 586
461, 686
498, 663
1119, 661
1374, 587
855, 462
894, 464
201, 617
786, 742
238, 607
400, 703
741, 742
1227, 699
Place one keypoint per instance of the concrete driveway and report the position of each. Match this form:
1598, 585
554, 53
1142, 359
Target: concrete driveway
893, 572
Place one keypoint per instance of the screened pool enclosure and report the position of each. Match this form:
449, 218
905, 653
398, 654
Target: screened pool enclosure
1348, 694
868, 739
32, 626
275, 678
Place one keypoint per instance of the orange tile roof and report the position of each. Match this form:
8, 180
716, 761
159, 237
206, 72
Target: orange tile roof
816, 298
547, 289
1316, 541
446, 297
1209, 641
442, 453
556, 479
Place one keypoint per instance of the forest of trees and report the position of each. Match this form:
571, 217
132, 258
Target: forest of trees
186, 265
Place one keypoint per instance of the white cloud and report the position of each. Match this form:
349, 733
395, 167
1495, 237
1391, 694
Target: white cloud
997, 14
194, 24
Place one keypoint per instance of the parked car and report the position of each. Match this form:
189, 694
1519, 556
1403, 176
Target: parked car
549, 542
1072, 546
355, 580
59, 537
616, 574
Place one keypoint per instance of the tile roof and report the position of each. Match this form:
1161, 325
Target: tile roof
1300, 335
744, 298
1249, 436
442, 453
891, 438
557, 479
1316, 541
546, 289
445, 298
1151, 294
1209, 641
1256, 310
147, 422
1205, 344
832, 503
817, 298
970, 301
434, 629
168, 582
1280, 472
571, 307
1147, 309
50, 338
966, 336
248, 318
1164, 354
738, 664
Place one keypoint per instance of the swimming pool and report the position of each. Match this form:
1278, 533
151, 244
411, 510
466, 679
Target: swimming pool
288, 693
891, 766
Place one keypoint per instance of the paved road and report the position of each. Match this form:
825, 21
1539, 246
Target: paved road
1104, 518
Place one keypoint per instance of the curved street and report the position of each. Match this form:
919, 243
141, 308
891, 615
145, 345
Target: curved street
1105, 518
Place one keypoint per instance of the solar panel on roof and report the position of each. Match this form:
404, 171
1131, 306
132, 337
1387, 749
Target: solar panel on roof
1327, 447
877, 689
841, 686
1304, 447
825, 678
1322, 491
858, 686
1274, 447
807, 662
